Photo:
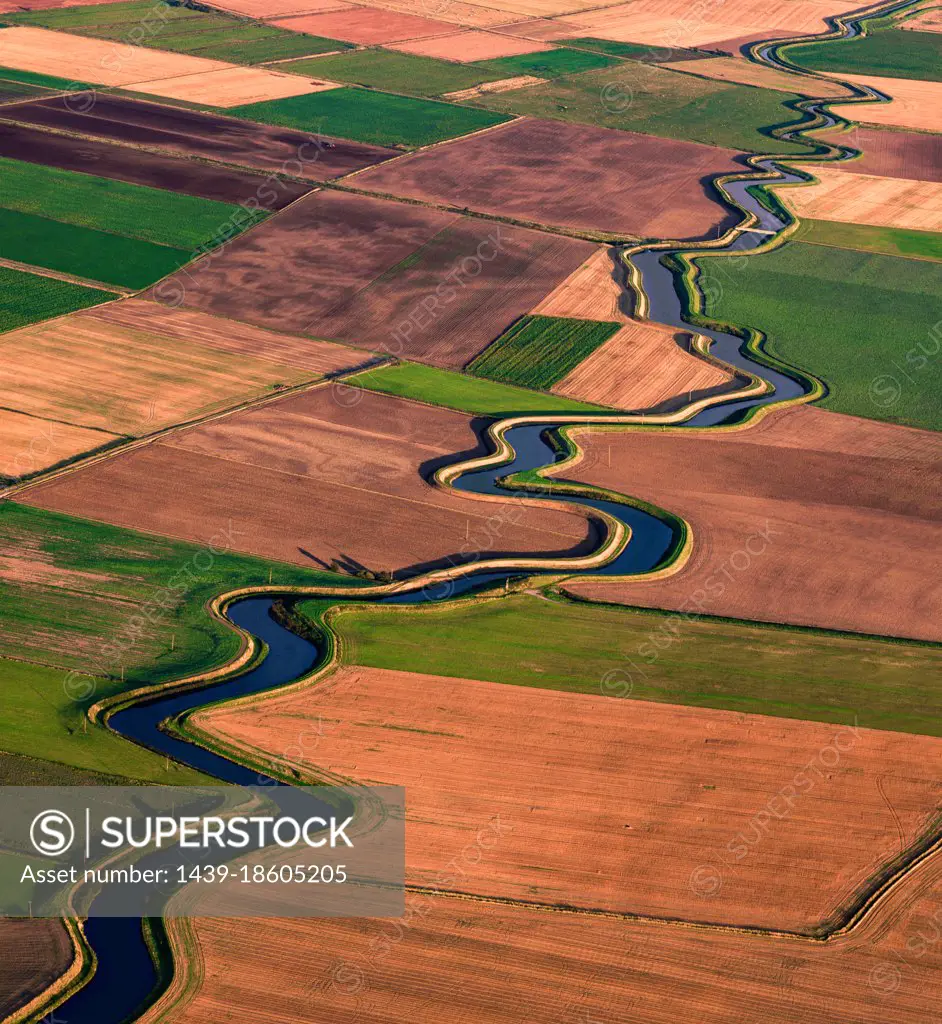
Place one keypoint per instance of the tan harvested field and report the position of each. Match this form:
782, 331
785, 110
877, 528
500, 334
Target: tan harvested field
33, 954
313, 478
125, 373
455, 12
929, 20
605, 803
810, 517
232, 86
398, 278
745, 72
590, 293
471, 45
365, 25
868, 199
893, 154
240, 339
30, 443
571, 175
642, 367
267, 9
915, 103
504, 85
454, 960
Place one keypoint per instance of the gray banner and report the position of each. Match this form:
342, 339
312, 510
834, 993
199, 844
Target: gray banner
213, 851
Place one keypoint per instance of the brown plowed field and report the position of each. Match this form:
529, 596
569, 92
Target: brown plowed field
135, 378
194, 133
365, 25
589, 293
868, 199
143, 168
552, 172
641, 367
914, 104
309, 479
735, 69
397, 278
231, 86
811, 518
29, 444
611, 804
32, 955
912, 155
925, 21
315, 357
469, 46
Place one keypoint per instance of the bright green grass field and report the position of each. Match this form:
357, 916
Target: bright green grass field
137, 211
398, 72
26, 298
646, 98
272, 47
633, 51
538, 351
368, 116
549, 63
459, 391
603, 650
84, 252
46, 81
147, 13
869, 325
890, 52
925, 245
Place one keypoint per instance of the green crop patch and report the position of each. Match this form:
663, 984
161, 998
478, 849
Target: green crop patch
923, 245
459, 391
273, 47
398, 72
150, 16
136, 211
378, 117
26, 298
734, 666
632, 51
884, 51
549, 63
868, 325
45, 81
538, 351
84, 252
646, 98
10, 91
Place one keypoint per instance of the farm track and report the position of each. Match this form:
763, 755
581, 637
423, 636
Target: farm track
863, 907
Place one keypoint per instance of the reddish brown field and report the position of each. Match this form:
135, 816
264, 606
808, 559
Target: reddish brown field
143, 168
914, 103
32, 955
585, 818
811, 518
313, 478
12, 6
914, 155
642, 367
551, 172
203, 135
365, 25
469, 46
267, 9
412, 281
456, 12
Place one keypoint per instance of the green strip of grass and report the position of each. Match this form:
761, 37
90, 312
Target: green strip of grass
868, 325
633, 51
603, 650
27, 298
136, 211
280, 47
538, 351
146, 12
377, 117
890, 52
398, 72
549, 63
96, 255
46, 81
459, 391
926, 245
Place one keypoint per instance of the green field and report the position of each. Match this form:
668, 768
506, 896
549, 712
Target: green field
599, 649
886, 51
281, 47
149, 14
26, 298
398, 72
377, 117
84, 252
538, 351
866, 324
647, 98
459, 391
11, 91
924, 245
46, 81
633, 51
549, 63
116, 206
